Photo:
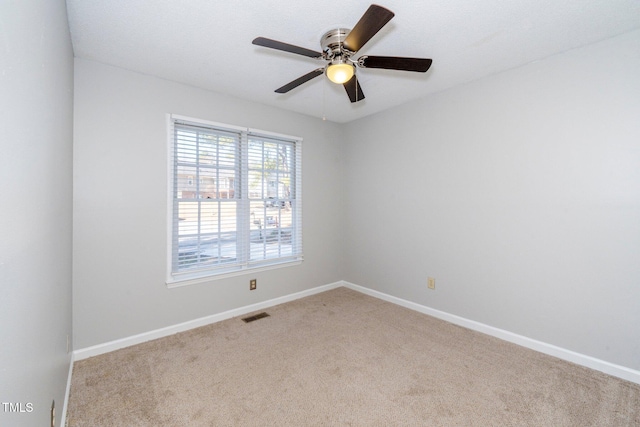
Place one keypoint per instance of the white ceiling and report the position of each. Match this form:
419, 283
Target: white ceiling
207, 43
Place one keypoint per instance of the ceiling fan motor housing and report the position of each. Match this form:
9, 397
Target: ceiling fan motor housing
332, 43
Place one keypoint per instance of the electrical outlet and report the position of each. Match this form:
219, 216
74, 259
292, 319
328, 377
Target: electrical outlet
253, 284
431, 283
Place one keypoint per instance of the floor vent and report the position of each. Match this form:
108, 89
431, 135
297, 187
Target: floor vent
255, 317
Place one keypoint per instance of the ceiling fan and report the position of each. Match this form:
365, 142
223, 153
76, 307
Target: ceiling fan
338, 47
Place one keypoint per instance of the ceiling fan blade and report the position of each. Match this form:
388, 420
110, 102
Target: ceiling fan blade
371, 22
420, 65
274, 44
354, 90
300, 80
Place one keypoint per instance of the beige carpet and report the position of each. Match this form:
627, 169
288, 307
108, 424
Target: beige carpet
345, 359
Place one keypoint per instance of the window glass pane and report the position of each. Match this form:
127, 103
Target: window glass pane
256, 185
207, 184
270, 160
255, 154
186, 182
228, 216
188, 218
186, 146
227, 248
209, 219
189, 254
227, 152
207, 149
271, 228
286, 217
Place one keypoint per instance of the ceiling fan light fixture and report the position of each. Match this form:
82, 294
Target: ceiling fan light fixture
340, 72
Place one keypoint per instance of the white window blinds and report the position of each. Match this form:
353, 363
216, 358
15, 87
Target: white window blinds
235, 200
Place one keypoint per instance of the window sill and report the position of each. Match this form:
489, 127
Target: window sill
196, 278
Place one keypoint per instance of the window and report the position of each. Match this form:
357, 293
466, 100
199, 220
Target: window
234, 200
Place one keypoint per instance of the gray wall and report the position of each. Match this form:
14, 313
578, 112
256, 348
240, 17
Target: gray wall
120, 204
36, 83
519, 193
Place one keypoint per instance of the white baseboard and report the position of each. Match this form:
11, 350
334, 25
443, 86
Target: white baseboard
552, 350
542, 347
107, 347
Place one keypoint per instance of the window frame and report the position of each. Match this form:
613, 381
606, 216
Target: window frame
243, 215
